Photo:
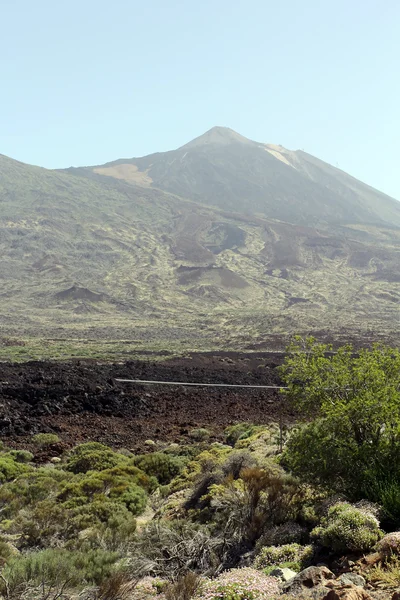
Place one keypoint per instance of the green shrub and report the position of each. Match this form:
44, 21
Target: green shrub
160, 465
41, 525
31, 487
93, 456
103, 486
7, 551
21, 456
297, 556
45, 439
384, 486
258, 499
57, 567
348, 529
10, 468
200, 434
353, 445
233, 433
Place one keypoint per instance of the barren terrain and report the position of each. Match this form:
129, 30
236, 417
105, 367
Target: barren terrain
81, 401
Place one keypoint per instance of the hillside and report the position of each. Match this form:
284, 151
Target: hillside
149, 254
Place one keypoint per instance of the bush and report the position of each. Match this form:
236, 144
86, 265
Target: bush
298, 556
45, 439
240, 584
184, 588
56, 569
259, 498
236, 462
160, 465
10, 468
348, 529
93, 456
104, 486
280, 535
353, 445
118, 586
31, 487
41, 525
21, 456
170, 549
200, 434
240, 431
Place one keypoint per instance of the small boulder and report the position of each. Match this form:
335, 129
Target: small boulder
283, 574
352, 579
149, 443
55, 460
347, 592
306, 580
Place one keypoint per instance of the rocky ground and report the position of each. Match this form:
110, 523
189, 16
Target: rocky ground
81, 400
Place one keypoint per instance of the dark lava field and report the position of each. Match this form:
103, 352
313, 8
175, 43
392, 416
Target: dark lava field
81, 401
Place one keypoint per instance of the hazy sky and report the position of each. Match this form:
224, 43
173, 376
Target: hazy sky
84, 81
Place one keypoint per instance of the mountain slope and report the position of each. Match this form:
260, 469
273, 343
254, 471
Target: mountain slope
222, 168
86, 254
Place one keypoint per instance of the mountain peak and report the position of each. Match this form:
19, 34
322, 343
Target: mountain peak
218, 136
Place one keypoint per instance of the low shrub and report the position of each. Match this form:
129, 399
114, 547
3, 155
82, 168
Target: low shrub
31, 487
119, 586
258, 499
200, 434
21, 456
184, 588
348, 529
160, 465
236, 462
280, 535
56, 568
240, 431
45, 439
41, 525
93, 456
298, 556
10, 468
102, 487
170, 549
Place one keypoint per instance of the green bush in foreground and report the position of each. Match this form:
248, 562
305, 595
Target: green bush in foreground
353, 444
56, 568
348, 529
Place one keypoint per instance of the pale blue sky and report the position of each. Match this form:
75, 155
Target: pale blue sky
84, 82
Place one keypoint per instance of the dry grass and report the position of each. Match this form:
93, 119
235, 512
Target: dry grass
184, 588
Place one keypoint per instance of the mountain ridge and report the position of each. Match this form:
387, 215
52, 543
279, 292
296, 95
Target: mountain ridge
186, 252
222, 168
